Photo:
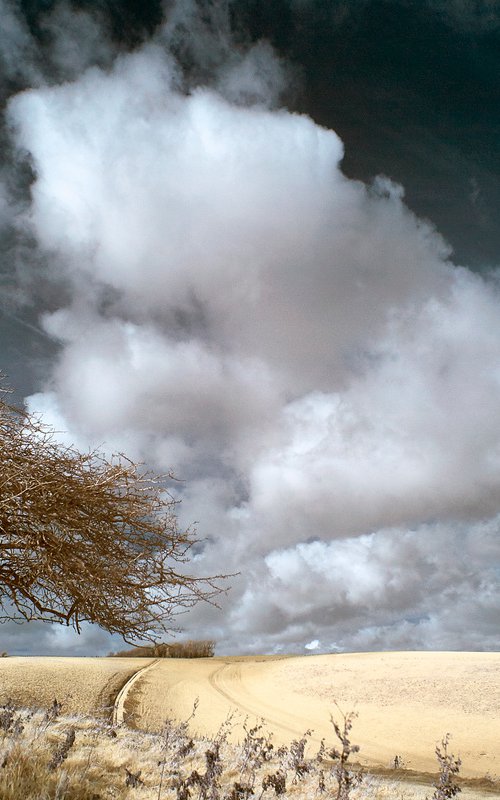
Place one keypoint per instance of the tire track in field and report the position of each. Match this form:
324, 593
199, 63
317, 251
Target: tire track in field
119, 704
226, 681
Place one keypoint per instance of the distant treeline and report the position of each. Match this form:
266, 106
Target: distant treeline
192, 649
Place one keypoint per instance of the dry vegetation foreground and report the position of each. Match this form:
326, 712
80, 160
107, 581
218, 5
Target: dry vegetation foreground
406, 702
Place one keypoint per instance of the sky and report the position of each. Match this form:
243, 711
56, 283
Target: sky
256, 242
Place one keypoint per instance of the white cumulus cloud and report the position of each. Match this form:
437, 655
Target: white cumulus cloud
296, 345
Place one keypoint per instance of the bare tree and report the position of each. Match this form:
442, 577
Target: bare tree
84, 538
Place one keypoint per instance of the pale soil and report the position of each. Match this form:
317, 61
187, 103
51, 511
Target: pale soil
406, 702
82, 685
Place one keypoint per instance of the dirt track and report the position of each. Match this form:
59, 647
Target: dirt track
405, 702
119, 705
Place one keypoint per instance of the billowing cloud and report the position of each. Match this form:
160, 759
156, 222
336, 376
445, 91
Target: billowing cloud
296, 345
71, 40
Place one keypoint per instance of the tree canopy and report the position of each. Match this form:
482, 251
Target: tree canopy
84, 538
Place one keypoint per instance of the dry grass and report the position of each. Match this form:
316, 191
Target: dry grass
81, 685
45, 756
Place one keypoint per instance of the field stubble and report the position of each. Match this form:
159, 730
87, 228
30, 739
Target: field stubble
293, 694
81, 685
406, 702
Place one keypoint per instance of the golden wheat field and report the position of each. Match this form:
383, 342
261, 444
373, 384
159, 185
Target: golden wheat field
81, 685
405, 702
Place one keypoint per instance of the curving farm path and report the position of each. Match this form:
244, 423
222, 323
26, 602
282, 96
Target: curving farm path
406, 702
229, 682
119, 704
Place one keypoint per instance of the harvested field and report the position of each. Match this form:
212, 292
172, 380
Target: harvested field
82, 685
406, 702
